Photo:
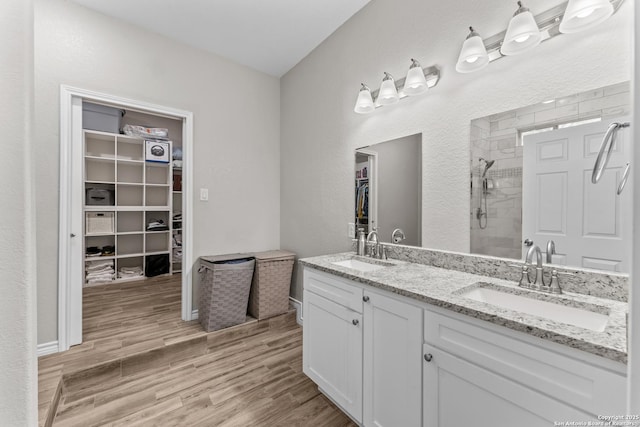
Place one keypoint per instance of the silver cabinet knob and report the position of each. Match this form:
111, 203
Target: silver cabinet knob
355, 322
365, 298
428, 357
73, 235
528, 242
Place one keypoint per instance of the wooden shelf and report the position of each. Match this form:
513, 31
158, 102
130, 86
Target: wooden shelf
96, 258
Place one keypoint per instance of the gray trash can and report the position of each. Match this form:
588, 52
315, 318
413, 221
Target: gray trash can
225, 282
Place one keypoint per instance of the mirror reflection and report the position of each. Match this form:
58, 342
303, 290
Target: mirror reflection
531, 181
388, 190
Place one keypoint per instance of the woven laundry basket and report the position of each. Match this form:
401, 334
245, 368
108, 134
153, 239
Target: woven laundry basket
271, 282
224, 290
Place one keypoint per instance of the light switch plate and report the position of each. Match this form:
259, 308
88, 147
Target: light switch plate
204, 194
352, 230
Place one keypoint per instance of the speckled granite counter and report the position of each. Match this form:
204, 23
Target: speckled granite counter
441, 287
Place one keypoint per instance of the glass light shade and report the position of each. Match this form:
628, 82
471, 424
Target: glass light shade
522, 34
584, 14
388, 93
364, 103
415, 83
473, 55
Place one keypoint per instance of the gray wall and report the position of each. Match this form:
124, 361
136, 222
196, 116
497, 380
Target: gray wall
236, 129
383, 37
19, 373
399, 192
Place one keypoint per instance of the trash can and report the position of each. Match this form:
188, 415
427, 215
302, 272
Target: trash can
225, 282
271, 282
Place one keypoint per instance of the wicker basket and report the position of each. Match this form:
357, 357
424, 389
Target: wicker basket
224, 292
271, 282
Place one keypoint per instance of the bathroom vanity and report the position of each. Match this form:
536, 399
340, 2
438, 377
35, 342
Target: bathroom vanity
397, 343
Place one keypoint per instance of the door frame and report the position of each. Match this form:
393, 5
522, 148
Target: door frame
70, 219
373, 186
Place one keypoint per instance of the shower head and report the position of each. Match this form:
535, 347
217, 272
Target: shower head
487, 165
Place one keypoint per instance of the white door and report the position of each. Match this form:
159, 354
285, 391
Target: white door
392, 362
458, 393
332, 351
589, 223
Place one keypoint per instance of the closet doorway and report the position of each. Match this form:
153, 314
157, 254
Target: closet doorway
136, 190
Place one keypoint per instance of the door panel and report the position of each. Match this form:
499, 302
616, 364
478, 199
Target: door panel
590, 223
458, 393
392, 362
332, 351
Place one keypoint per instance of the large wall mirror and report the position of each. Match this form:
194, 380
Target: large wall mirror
531, 181
388, 190
531, 172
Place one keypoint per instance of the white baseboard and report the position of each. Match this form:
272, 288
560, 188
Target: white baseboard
298, 306
47, 348
194, 314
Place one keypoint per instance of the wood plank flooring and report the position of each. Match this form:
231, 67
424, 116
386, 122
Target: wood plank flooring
141, 365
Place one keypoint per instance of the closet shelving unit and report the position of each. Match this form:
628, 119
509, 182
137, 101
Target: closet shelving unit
142, 193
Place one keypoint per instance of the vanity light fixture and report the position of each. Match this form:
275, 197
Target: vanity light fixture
415, 83
570, 16
584, 14
418, 80
388, 91
522, 34
473, 55
364, 103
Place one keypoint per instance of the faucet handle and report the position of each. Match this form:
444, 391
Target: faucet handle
555, 284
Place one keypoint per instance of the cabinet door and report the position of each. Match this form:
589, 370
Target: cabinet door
392, 362
459, 393
332, 351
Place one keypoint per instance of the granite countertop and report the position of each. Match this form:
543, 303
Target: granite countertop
441, 287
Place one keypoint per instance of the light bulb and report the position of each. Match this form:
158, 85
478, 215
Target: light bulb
522, 39
472, 59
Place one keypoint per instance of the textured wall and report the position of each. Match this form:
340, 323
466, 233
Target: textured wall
236, 134
317, 118
18, 376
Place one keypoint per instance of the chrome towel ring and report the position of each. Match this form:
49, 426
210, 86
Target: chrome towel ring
607, 144
625, 176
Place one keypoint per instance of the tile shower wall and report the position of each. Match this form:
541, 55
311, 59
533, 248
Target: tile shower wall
496, 137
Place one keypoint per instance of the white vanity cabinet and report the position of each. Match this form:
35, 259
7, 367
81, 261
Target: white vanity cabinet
332, 339
392, 362
364, 350
389, 361
476, 375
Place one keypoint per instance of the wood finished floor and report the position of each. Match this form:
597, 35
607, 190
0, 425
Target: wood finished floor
244, 376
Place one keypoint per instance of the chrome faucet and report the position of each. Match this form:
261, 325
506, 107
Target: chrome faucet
539, 280
551, 250
372, 243
538, 284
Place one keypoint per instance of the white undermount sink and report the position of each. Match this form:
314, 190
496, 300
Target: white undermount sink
355, 264
580, 317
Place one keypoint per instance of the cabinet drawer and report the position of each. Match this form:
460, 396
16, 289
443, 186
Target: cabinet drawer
333, 288
586, 386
